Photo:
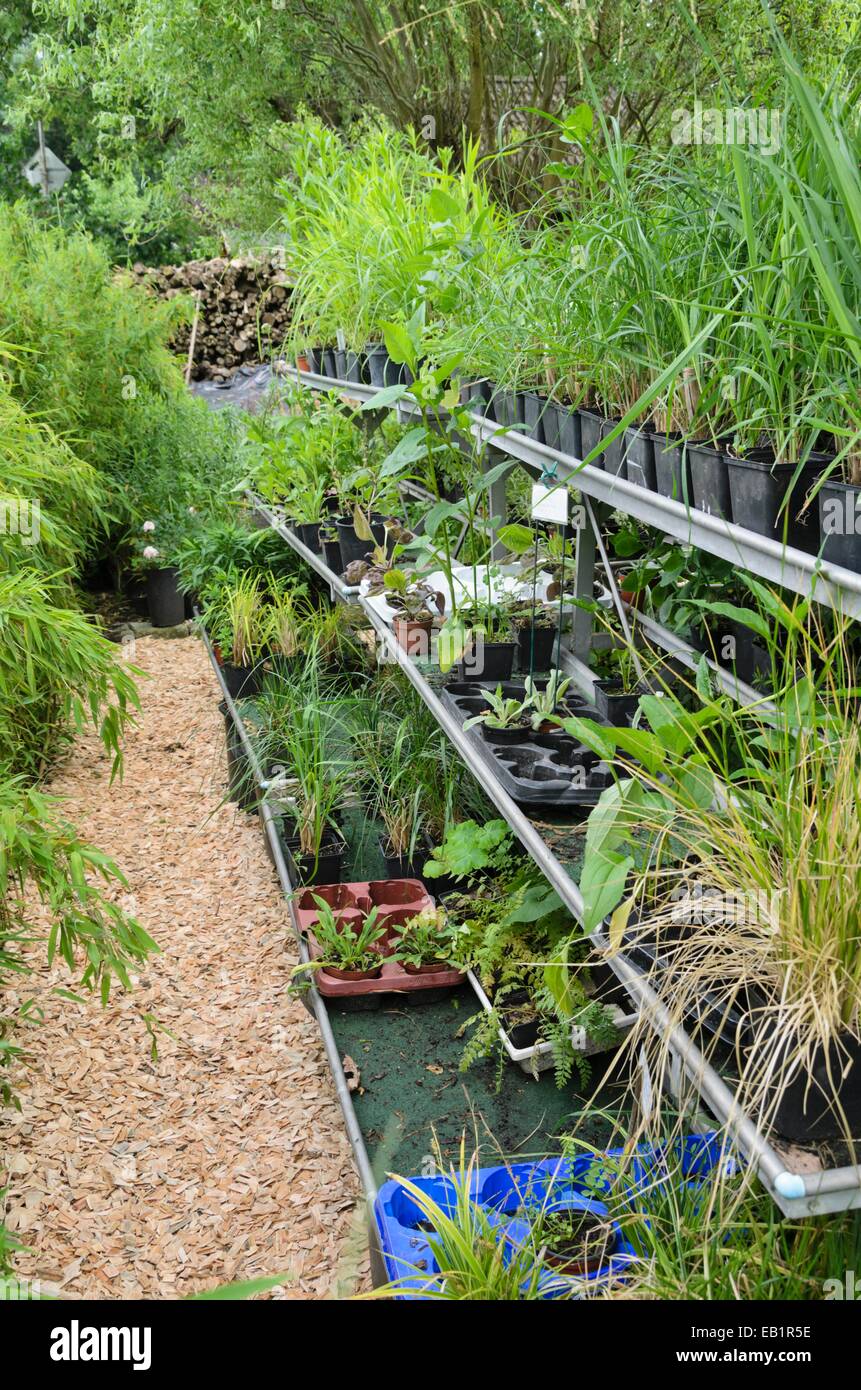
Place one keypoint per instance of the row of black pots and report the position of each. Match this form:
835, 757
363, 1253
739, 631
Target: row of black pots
749, 491
373, 367
338, 552
533, 649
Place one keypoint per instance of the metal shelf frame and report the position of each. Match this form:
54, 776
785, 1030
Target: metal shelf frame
316, 1004
796, 1194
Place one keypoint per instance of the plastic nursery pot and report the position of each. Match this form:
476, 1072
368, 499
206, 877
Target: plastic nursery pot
357, 368
398, 867
243, 682
516, 734
354, 974
332, 554
305, 870
614, 704
765, 500
591, 428
587, 1251
533, 407
165, 600
315, 360
818, 1102
477, 395
352, 547
640, 457
709, 480
414, 636
535, 647
329, 365
840, 524
488, 661
614, 452
672, 469
376, 358
309, 534
341, 364
508, 407
430, 967
241, 785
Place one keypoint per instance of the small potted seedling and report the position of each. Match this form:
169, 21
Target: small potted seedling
423, 943
417, 605
544, 704
505, 720
575, 1240
348, 950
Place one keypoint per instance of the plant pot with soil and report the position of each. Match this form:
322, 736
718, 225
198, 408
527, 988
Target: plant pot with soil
348, 949
639, 450
424, 943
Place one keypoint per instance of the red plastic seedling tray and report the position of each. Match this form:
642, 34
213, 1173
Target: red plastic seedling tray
397, 899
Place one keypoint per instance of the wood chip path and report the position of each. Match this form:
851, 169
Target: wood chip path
226, 1158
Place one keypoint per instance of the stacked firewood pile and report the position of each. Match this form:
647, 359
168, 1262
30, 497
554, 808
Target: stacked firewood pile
244, 309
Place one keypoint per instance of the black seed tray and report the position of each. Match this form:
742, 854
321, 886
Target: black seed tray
539, 769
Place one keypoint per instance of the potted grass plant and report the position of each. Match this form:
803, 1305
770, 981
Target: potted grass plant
390, 773
238, 620
349, 950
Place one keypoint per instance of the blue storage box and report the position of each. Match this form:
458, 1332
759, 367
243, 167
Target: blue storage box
504, 1193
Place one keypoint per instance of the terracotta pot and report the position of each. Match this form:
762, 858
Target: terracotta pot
429, 967
414, 635
353, 974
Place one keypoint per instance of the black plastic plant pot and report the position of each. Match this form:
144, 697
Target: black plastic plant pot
640, 458
821, 1101
710, 480
340, 364
241, 785
356, 368
309, 534
399, 866
332, 555
352, 547
764, 499
518, 734
477, 395
396, 373
508, 407
491, 661
533, 407
165, 599
315, 360
570, 433
376, 358
673, 470
614, 452
550, 424
591, 430
243, 682
840, 524
329, 365
535, 648
616, 705
305, 870
751, 657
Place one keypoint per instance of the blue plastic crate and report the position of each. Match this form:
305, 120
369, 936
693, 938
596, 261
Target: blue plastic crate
550, 1184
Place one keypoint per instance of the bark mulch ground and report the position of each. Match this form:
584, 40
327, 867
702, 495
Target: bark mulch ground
225, 1158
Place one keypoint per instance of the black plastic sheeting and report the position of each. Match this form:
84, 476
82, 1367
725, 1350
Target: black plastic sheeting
246, 389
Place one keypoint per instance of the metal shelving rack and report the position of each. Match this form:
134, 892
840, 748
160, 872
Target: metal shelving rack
795, 1193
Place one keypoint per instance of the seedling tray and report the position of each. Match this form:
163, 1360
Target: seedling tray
396, 900
539, 1057
539, 769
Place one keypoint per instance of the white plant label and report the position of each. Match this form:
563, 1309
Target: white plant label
550, 503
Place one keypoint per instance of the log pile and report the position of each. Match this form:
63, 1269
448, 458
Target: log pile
244, 309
